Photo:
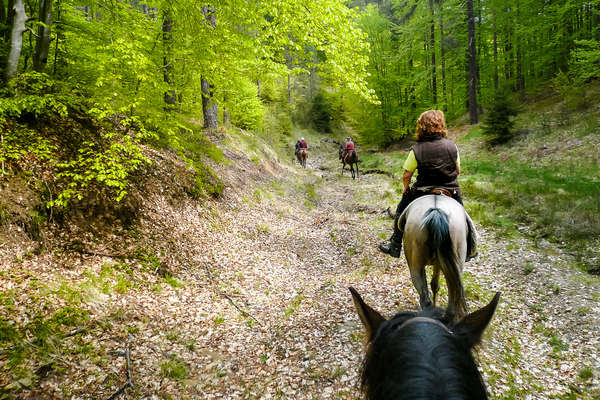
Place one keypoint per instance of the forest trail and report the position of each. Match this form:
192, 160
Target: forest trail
259, 307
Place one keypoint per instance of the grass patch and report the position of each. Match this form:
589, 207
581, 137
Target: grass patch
474, 134
173, 282
392, 162
562, 208
36, 343
294, 305
586, 373
174, 369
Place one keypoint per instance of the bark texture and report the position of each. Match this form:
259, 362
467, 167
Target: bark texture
42, 45
210, 108
472, 64
16, 39
167, 33
432, 49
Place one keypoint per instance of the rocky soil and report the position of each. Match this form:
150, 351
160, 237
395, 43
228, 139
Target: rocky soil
247, 297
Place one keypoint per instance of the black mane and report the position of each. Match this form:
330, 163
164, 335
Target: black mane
422, 360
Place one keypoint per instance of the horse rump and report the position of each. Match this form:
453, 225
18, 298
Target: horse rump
437, 224
439, 243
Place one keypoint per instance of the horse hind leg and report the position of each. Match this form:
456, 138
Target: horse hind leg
419, 280
435, 283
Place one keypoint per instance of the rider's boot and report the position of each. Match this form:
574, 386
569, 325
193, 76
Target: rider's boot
393, 246
471, 240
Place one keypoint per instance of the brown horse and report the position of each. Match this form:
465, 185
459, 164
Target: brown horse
350, 158
302, 155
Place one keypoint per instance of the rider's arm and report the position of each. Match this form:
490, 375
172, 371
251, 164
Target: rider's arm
410, 165
406, 177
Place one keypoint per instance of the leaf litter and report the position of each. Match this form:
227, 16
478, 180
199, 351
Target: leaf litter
255, 303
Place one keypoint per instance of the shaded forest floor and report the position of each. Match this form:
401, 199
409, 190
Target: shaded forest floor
246, 297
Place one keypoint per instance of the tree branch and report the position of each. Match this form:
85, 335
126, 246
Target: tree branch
129, 382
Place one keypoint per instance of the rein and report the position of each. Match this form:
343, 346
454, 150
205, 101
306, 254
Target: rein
424, 319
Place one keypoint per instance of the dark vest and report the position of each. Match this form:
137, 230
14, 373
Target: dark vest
436, 164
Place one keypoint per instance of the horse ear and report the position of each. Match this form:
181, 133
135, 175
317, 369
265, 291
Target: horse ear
370, 318
471, 326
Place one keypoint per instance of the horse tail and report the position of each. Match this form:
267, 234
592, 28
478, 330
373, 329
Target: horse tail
436, 222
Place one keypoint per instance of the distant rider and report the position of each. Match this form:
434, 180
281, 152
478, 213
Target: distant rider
436, 159
348, 147
303, 144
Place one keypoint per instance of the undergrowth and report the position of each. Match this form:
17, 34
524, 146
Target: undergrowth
544, 184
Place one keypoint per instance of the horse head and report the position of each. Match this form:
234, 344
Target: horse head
422, 355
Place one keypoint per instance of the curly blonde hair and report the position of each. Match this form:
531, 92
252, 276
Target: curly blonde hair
430, 124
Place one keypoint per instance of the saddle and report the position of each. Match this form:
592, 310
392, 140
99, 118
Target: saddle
439, 191
345, 154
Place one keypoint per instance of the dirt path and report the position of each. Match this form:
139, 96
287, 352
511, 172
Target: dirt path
260, 307
291, 263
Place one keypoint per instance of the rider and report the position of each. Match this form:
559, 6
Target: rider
300, 144
303, 144
348, 147
438, 163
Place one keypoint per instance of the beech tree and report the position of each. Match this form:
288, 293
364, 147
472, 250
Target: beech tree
42, 46
474, 48
18, 17
136, 57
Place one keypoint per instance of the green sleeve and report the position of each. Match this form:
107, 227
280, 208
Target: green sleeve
411, 162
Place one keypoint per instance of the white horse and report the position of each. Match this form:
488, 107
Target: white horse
436, 232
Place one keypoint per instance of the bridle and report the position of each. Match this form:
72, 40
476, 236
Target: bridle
424, 319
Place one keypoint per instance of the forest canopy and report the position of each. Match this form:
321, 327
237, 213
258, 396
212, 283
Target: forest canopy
421, 56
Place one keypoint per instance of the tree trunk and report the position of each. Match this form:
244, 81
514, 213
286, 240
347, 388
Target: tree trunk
432, 44
210, 108
495, 53
59, 35
289, 89
42, 45
16, 39
520, 78
226, 113
478, 41
443, 60
170, 95
2, 17
10, 12
472, 64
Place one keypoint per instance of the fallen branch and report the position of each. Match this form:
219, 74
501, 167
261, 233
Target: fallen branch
228, 297
242, 311
378, 171
31, 341
128, 383
75, 249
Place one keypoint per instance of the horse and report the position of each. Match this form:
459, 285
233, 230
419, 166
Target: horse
422, 355
302, 155
436, 232
350, 158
